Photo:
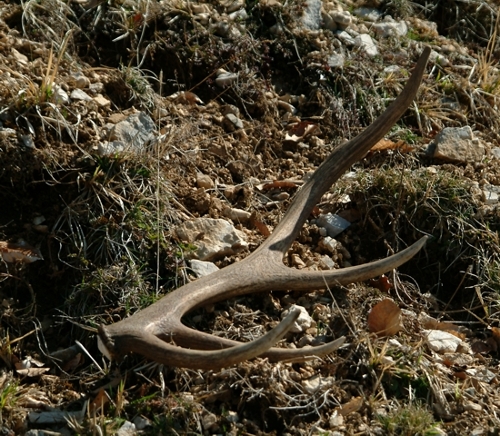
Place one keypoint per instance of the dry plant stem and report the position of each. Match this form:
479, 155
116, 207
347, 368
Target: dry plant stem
157, 331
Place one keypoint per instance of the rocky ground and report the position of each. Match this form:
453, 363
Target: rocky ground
125, 125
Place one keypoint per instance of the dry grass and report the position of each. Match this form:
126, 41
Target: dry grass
107, 219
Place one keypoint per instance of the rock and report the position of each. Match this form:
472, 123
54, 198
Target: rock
311, 17
333, 224
335, 60
204, 181
366, 43
142, 423
343, 19
19, 57
214, 238
127, 429
209, 422
59, 95
79, 80
368, 14
239, 15
336, 420
390, 28
490, 194
456, 144
317, 382
329, 244
78, 94
302, 323
131, 134
201, 268
442, 341
345, 38
495, 153
236, 215
326, 262
438, 59
101, 101
328, 22
225, 78
231, 123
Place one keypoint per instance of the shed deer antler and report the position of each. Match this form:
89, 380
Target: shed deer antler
151, 331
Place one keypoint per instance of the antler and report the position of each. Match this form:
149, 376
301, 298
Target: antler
151, 331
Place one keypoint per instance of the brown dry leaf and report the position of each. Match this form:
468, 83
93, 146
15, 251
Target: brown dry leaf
480, 347
99, 402
259, 225
382, 283
300, 130
496, 334
20, 252
352, 406
386, 144
73, 363
385, 318
280, 184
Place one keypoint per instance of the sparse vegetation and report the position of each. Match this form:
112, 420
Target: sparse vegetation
103, 217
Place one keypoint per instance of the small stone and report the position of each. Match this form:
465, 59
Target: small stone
495, 152
101, 101
22, 59
311, 18
232, 122
201, 268
391, 28
368, 14
329, 244
456, 144
59, 95
366, 43
214, 238
78, 94
127, 429
302, 323
204, 181
343, 19
333, 224
79, 80
326, 262
335, 60
209, 422
336, 420
441, 341
438, 59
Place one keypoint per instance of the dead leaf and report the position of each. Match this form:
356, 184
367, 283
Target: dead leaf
480, 347
352, 406
386, 144
279, 184
99, 402
495, 331
382, 283
385, 318
259, 225
19, 252
300, 130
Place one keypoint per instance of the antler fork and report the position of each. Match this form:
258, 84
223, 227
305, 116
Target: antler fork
150, 332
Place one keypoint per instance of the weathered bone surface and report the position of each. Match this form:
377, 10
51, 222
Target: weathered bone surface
157, 331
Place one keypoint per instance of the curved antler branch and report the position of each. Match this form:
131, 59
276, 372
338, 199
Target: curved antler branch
149, 331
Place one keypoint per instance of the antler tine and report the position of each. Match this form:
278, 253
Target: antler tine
148, 331
163, 352
342, 158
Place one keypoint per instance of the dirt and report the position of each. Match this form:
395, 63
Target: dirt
102, 223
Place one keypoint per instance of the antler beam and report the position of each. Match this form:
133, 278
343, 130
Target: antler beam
153, 331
